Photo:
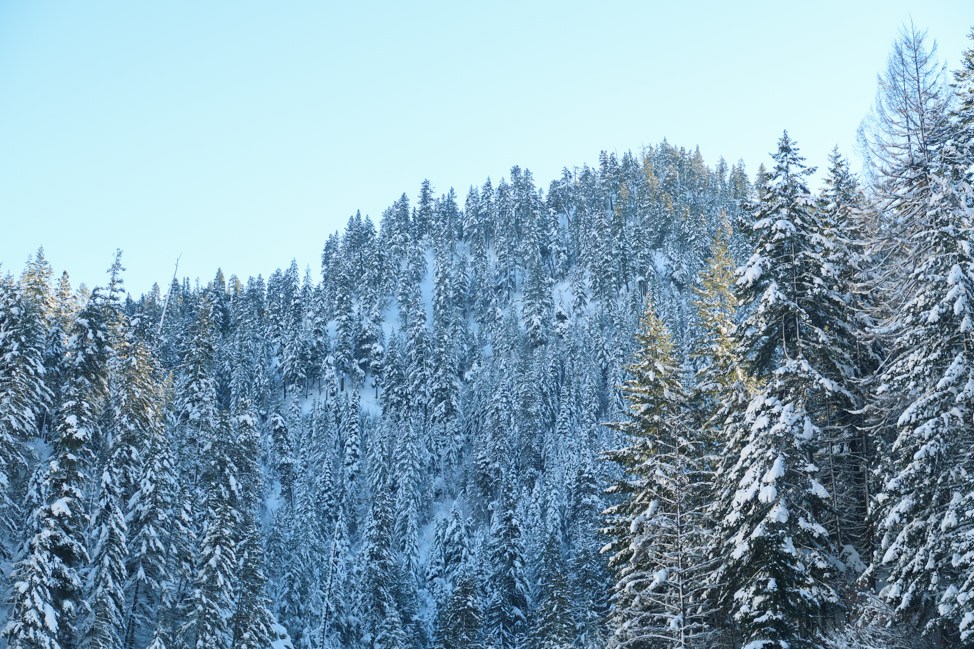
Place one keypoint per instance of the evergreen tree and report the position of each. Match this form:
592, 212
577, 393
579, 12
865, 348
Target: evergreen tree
382, 576
460, 623
923, 509
505, 614
962, 115
108, 578
48, 591
252, 623
24, 397
841, 266
448, 553
340, 625
150, 514
215, 589
658, 527
775, 578
554, 627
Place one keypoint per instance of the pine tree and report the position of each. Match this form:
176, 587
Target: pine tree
196, 391
150, 513
215, 588
108, 578
252, 622
538, 306
382, 573
448, 553
298, 594
723, 388
352, 468
407, 475
554, 627
177, 498
284, 453
719, 367
841, 266
340, 625
962, 115
105, 593
444, 370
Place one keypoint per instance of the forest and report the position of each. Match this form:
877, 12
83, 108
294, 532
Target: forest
660, 404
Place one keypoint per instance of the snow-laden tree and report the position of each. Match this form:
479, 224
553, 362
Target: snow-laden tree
216, 585
553, 627
48, 590
506, 589
150, 512
926, 554
252, 625
460, 623
658, 523
775, 579
106, 599
24, 396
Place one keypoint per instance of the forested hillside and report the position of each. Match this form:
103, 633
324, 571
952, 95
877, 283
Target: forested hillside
659, 404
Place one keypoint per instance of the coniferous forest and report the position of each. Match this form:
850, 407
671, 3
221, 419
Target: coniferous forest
660, 404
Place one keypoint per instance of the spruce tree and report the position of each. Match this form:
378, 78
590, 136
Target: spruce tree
460, 622
506, 610
252, 622
24, 397
554, 626
48, 591
106, 599
923, 507
775, 576
150, 512
658, 523
215, 587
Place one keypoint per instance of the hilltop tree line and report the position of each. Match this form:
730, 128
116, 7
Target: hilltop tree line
409, 450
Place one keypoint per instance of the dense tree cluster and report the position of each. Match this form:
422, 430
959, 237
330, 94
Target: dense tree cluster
409, 450
405, 451
805, 479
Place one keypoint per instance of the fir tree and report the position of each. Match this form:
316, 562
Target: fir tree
554, 626
215, 587
108, 578
252, 622
150, 513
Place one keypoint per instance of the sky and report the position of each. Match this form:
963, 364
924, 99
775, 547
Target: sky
239, 135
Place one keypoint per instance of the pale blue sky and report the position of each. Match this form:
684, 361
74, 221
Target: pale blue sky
239, 134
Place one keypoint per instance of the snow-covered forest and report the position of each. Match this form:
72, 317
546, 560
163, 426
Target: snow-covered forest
660, 404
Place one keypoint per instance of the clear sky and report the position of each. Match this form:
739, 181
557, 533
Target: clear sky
240, 134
